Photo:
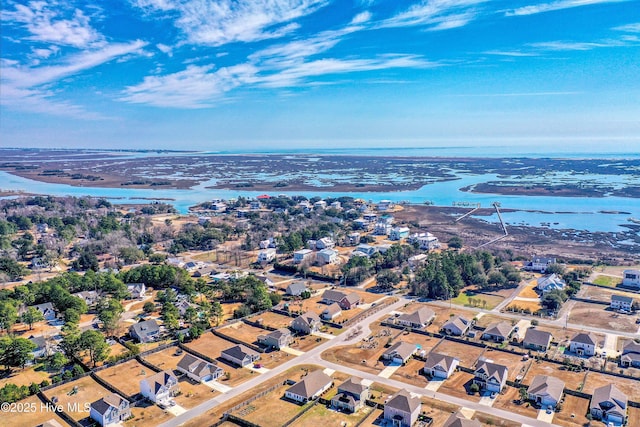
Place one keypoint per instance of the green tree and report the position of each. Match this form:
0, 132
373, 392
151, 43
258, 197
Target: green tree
56, 361
109, 312
16, 351
8, 315
31, 315
149, 307
216, 312
455, 242
95, 344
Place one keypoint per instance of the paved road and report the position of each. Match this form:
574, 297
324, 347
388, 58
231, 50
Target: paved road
312, 356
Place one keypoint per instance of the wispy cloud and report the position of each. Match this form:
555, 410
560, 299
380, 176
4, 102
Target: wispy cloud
556, 5
629, 28
436, 14
29, 87
215, 23
517, 94
569, 46
514, 53
45, 23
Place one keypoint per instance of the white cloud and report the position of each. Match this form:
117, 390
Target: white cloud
168, 50
45, 24
217, 22
361, 17
569, 46
556, 5
437, 14
629, 28
515, 53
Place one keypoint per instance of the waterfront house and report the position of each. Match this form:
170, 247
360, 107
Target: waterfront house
160, 388
402, 410
110, 410
240, 354
351, 395
310, 387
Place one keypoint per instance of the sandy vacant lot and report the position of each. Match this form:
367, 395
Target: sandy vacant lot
572, 380
601, 316
87, 391
126, 376
33, 416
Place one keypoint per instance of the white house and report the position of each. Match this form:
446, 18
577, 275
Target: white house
621, 303
539, 264
137, 290
583, 344
490, 376
385, 205
302, 255
110, 410
398, 233
417, 260
325, 243
631, 278
267, 255
310, 387
159, 388
550, 283
327, 256
382, 228
545, 390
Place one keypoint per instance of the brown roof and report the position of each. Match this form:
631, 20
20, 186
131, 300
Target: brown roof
403, 349
420, 316
609, 398
585, 338
537, 337
352, 385
437, 359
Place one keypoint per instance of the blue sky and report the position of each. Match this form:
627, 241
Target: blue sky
244, 74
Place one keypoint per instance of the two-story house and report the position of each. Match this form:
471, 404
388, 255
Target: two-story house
584, 344
402, 410
276, 339
306, 323
110, 410
160, 388
351, 395
491, 377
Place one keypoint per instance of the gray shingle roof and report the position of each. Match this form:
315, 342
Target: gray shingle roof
145, 328
537, 337
608, 398
500, 329
437, 359
457, 419
420, 316
585, 338
493, 370
403, 401
240, 352
352, 385
111, 400
546, 385
311, 384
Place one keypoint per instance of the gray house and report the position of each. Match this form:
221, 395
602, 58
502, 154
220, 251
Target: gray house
276, 339
456, 326
198, 369
400, 352
402, 409
418, 319
351, 396
310, 387
535, 339
546, 391
490, 376
457, 419
440, 365
630, 355
498, 332
296, 289
306, 323
146, 331
110, 410
47, 310
240, 355
609, 404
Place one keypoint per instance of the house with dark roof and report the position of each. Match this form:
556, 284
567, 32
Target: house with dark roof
546, 391
609, 404
621, 303
41, 349
240, 355
110, 410
440, 366
457, 419
490, 376
456, 326
539, 264
400, 352
630, 355
146, 331
276, 339
310, 387
402, 409
535, 339
584, 344
306, 323
631, 278
160, 388
331, 312
296, 289
199, 370
351, 395
345, 301
498, 332
418, 319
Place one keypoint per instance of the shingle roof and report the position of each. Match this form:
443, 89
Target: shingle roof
403, 349
420, 316
458, 321
296, 287
607, 395
332, 309
197, 366
160, 380
631, 347
546, 385
622, 298
585, 338
145, 328
537, 337
403, 401
240, 352
500, 329
437, 359
333, 295
458, 420
309, 317
493, 370
311, 384
111, 400
278, 333
352, 385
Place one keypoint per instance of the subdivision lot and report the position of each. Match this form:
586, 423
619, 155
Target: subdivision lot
630, 387
443, 314
305, 305
514, 363
273, 358
271, 410
488, 319
273, 320
458, 385
473, 298
467, 354
34, 374
306, 342
75, 394
374, 419
572, 380
126, 376
411, 373
601, 316
424, 342
573, 413
243, 332
193, 394
603, 294
166, 359
29, 413
634, 416
212, 346
520, 306
321, 415
438, 410
509, 401
147, 415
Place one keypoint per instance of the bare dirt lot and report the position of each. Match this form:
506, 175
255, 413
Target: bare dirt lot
509, 401
243, 332
572, 380
193, 394
147, 415
458, 385
212, 346
271, 410
166, 359
514, 363
601, 316
628, 386
411, 373
87, 391
273, 320
467, 354
321, 415
573, 412
126, 376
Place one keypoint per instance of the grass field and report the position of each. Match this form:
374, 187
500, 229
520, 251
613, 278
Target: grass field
607, 281
476, 299
165, 359
147, 415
